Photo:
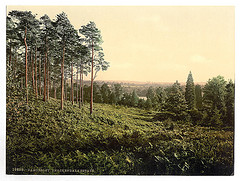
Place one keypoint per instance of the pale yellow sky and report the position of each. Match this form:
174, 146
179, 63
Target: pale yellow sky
158, 43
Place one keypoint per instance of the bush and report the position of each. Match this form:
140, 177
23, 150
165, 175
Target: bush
196, 116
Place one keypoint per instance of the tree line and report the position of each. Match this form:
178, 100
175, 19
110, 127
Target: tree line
43, 53
208, 105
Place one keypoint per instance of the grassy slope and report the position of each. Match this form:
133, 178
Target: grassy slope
114, 140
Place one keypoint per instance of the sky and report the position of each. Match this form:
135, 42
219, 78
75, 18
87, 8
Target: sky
158, 43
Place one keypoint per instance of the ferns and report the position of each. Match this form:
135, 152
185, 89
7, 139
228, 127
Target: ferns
114, 140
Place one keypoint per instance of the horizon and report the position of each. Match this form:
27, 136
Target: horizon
136, 82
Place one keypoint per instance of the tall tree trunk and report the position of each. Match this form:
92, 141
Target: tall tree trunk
45, 77
62, 77
36, 92
14, 67
32, 62
70, 95
10, 55
72, 82
49, 80
55, 90
40, 74
65, 88
26, 65
77, 86
82, 101
80, 87
22, 82
91, 101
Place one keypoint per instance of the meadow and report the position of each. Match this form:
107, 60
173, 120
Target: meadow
114, 140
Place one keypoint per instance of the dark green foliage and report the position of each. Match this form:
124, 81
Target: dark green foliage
229, 101
125, 99
97, 96
148, 104
156, 98
26, 21
198, 96
176, 103
134, 99
118, 92
190, 92
214, 93
105, 92
214, 99
114, 140
112, 98
161, 97
151, 95
141, 103
87, 92
215, 119
196, 116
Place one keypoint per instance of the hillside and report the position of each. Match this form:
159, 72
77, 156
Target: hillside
42, 139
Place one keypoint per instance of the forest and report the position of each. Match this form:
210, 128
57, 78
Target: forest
58, 124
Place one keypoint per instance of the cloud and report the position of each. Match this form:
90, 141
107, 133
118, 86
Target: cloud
199, 59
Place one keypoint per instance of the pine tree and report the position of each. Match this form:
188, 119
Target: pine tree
214, 94
134, 99
160, 97
148, 104
97, 96
65, 32
118, 92
26, 22
190, 92
229, 101
105, 92
198, 96
176, 102
151, 94
94, 39
113, 98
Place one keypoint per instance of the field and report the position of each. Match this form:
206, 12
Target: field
115, 140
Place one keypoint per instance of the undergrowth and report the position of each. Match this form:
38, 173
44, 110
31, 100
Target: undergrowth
114, 140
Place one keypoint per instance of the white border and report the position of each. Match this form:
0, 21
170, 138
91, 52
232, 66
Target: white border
3, 4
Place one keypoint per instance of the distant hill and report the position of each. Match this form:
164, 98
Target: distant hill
139, 83
140, 87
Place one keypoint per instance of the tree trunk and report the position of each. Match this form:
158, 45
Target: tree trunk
40, 75
77, 86
55, 90
45, 77
80, 87
14, 67
32, 62
22, 82
36, 92
62, 78
65, 88
72, 83
82, 101
47, 74
61, 82
91, 101
10, 55
49, 80
26, 65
